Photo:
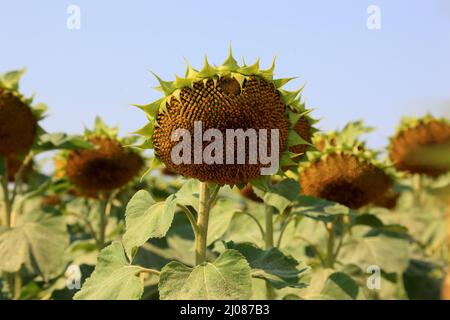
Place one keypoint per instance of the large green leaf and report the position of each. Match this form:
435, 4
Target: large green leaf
272, 265
220, 218
227, 278
327, 284
188, 194
147, 219
390, 254
37, 242
113, 278
279, 195
319, 209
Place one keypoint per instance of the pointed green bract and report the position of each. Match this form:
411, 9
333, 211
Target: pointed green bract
9, 81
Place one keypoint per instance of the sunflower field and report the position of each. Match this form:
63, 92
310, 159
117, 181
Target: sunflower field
105, 216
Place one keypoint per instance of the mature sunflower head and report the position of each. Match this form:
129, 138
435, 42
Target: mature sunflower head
105, 167
226, 97
347, 173
422, 146
18, 120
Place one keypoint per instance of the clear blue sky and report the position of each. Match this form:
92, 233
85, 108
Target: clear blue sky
350, 72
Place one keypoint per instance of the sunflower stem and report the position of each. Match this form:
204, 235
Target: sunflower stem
19, 176
418, 188
202, 224
105, 209
330, 258
283, 229
6, 207
270, 293
17, 285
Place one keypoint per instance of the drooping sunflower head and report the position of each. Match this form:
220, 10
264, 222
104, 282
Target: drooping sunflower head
344, 170
18, 118
226, 98
422, 146
105, 167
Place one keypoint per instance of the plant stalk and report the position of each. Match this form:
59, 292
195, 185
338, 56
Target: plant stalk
270, 293
330, 258
17, 285
6, 207
104, 212
418, 189
202, 224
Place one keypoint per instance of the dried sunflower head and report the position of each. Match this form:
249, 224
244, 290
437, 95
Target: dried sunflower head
18, 119
226, 97
105, 167
344, 171
422, 146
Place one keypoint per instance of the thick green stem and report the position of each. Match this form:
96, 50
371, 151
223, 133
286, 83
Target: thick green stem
202, 224
6, 207
14, 279
270, 293
17, 285
105, 208
418, 189
269, 227
330, 258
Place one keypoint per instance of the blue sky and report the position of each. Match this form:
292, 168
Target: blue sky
350, 72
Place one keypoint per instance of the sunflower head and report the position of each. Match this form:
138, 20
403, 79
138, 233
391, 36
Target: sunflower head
422, 146
18, 119
105, 167
344, 170
226, 97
